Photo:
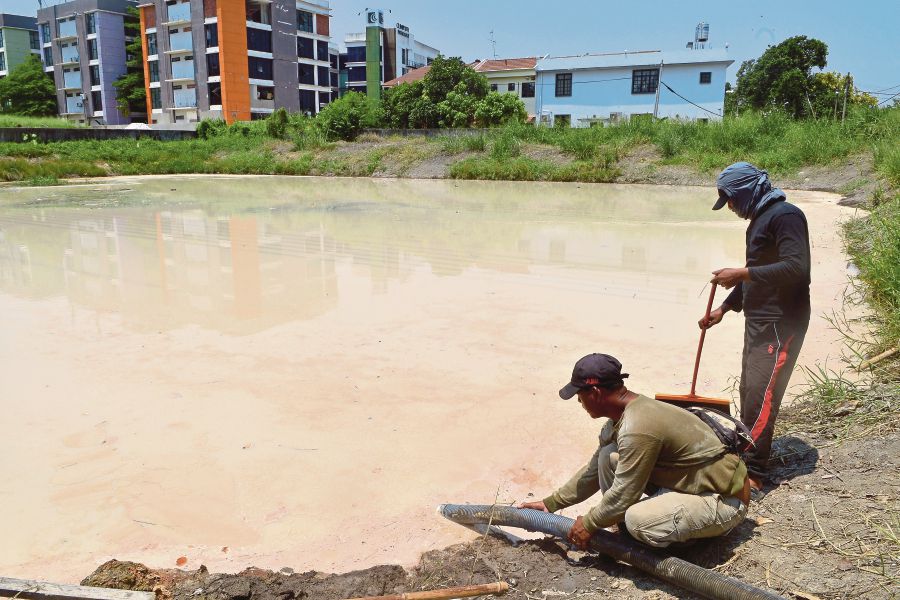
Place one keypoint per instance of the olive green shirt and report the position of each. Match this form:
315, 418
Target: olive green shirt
661, 446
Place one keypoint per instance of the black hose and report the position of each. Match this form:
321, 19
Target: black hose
689, 576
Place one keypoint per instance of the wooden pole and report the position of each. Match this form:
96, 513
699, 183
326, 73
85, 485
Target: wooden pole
658, 83
846, 85
466, 591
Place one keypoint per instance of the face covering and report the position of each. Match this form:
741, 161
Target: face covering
748, 188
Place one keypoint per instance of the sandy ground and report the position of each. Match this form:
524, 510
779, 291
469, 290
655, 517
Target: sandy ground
303, 386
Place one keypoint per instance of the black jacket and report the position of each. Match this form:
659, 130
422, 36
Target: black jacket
779, 264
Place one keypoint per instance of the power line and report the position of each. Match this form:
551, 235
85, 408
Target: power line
885, 89
590, 81
888, 99
688, 101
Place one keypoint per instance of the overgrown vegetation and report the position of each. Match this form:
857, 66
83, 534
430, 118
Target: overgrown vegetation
28, 91
131, 97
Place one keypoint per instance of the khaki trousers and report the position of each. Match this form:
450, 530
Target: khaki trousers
669, 516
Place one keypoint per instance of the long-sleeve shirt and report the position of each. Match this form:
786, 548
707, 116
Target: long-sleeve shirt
779, 264
661, 446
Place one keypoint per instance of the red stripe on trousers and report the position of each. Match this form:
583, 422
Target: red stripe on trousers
766, 409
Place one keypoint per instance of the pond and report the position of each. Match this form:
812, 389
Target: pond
296, 371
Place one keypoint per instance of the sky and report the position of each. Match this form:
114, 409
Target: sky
862, 36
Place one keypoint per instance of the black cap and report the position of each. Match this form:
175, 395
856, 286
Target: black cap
722, 201
594, 369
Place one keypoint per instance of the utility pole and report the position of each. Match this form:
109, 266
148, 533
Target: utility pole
844, 110
493, 44
658, 83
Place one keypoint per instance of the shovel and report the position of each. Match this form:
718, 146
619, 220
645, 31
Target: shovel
692, 399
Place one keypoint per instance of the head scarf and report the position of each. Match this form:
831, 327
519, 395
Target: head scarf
748, 188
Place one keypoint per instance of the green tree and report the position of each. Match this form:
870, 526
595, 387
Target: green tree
827, 94
346, 117
782, 77
499, 109
28, 90
453, 75
398, 104
131, 97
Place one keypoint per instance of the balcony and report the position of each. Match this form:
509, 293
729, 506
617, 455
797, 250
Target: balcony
185, 99
74, 106
72, 81
70, 55
179, 13
67, 30
181, 43
183, 71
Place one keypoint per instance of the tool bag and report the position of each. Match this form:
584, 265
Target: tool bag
733, 434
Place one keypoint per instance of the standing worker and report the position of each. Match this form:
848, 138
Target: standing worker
773, 291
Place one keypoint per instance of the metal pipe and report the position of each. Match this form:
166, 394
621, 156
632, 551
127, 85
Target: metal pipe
689, 576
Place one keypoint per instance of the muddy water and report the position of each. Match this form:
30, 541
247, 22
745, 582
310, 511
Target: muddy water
295, 372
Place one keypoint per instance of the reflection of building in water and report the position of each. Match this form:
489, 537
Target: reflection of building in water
175, 268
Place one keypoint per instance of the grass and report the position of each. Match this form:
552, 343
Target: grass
7, 120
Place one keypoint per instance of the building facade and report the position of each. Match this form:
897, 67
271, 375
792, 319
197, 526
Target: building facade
83, 44
235, 60
18, 40
511, 76
591, 89
380, 54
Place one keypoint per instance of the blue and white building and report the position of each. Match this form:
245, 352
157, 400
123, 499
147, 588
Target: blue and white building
595, 89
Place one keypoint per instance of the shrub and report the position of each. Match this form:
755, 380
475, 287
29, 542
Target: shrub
344, 118
499, 109
208, 128
277, 124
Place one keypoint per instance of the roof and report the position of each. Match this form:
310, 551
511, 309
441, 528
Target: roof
632, 59
414, 75
504, 64
18, 21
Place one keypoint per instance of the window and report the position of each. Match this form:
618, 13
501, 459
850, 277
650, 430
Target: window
1, 38
305, 47
212, 65
212, 34
644, 81
333, 59
304, 21
215, 94
2, 61
324, 98
510, 87
308, 101
562, 120
151, 44
95, 75
258, 12
92, 49
155, 98
323, 76
306, 74
563, 84
33, 40
356, 54
45, 32
154, 70
97, 101
334, 80
48, 56
705, 76
528, 89
404, 53
265, 92
493, 87
356, 74
322, 50
259, 40
260, 68
90, 23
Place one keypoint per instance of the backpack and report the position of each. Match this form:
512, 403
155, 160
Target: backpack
735, 436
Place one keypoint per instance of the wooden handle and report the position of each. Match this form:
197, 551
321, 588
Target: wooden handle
466, 591
712, 294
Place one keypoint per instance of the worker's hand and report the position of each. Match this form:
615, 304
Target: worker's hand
715, 317
728, 278
578, 535
539, 505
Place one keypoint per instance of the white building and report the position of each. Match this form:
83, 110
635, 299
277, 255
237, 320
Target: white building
600, 88
511, 76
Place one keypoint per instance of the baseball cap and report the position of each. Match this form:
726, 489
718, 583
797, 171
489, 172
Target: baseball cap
593, 369
722, 201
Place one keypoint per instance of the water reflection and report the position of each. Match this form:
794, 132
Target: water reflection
242, 255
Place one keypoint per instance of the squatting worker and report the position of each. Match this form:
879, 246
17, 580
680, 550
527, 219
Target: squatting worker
695, 487
773, 291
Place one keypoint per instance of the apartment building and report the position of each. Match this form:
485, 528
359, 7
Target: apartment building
18, 41
83, 44
381, 54
235, 60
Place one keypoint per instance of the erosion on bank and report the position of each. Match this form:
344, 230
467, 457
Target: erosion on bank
639, 150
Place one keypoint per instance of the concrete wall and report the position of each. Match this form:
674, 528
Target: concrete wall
17, 47
111, 50
599, 92
284, 54
45, 134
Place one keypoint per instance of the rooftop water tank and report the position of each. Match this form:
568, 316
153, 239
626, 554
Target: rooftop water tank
701, 33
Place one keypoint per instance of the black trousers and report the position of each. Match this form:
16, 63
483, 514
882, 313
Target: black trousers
770, 353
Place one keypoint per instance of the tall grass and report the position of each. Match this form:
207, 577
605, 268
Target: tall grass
8, 120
